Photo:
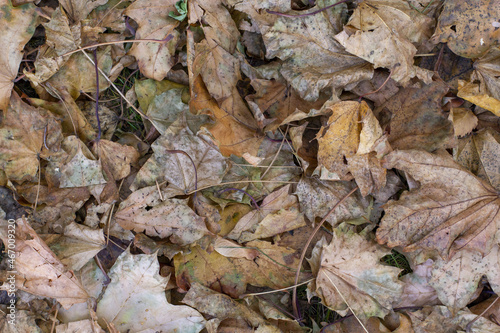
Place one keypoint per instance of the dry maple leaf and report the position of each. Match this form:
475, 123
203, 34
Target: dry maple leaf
155, 59
351, 276
143, 210
279, 212
135, 299
384, 33
452, 210
27, 134
18, 25
39, 271
457, 279
274, 267
204, 165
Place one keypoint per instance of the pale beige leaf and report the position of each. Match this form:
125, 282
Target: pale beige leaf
39, 271
317, 197
86, 325
77, 245
234, 250
79, 9
171, 164
135, 299
417, 290
143, 210
350, 271
279, 212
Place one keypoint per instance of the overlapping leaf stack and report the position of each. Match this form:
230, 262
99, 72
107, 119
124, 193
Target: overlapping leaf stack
256, 118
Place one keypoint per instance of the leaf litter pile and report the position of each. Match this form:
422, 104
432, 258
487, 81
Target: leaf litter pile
241, 166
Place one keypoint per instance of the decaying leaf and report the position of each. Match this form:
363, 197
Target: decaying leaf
25, 137
279, 212
155, 58
274, 267
417, 291
351, 276
18, 24
185, 160
135, 299
144, 210
39, 271
464, 121
453, 210
468, 27
77, 245
383, 33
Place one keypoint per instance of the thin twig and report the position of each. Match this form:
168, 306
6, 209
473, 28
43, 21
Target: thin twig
277, 290
307, 14
468, 328
168, 38
118, 90
97, 97
303, 255
276, 155
375, 91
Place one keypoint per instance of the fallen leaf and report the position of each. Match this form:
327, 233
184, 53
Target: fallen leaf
313, 60
464, 121
204, 166
232, 249
116, 157
467, 27
143, 210
221, 306
278, 213
384, 33
417, 291
77, 245
79, 326
351, 276
453, 210
473, 93
417, 121
26, 135
79, 9
274, 267
39, 271
155, 59
479, 153
135, 299
18, 24
317, 197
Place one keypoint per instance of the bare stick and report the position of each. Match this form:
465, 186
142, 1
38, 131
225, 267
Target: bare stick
302, 256
277, 290
308, 14
97, 97
168, 38
468, 328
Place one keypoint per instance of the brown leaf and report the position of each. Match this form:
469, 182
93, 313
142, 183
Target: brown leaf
232, 135
39, 271
452, 210
317, 197
417, 120
155, 59
467, 26
416, 290
143, 210
116, 157
18, 24
464, 121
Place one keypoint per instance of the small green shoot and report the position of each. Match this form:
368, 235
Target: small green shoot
181, 7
